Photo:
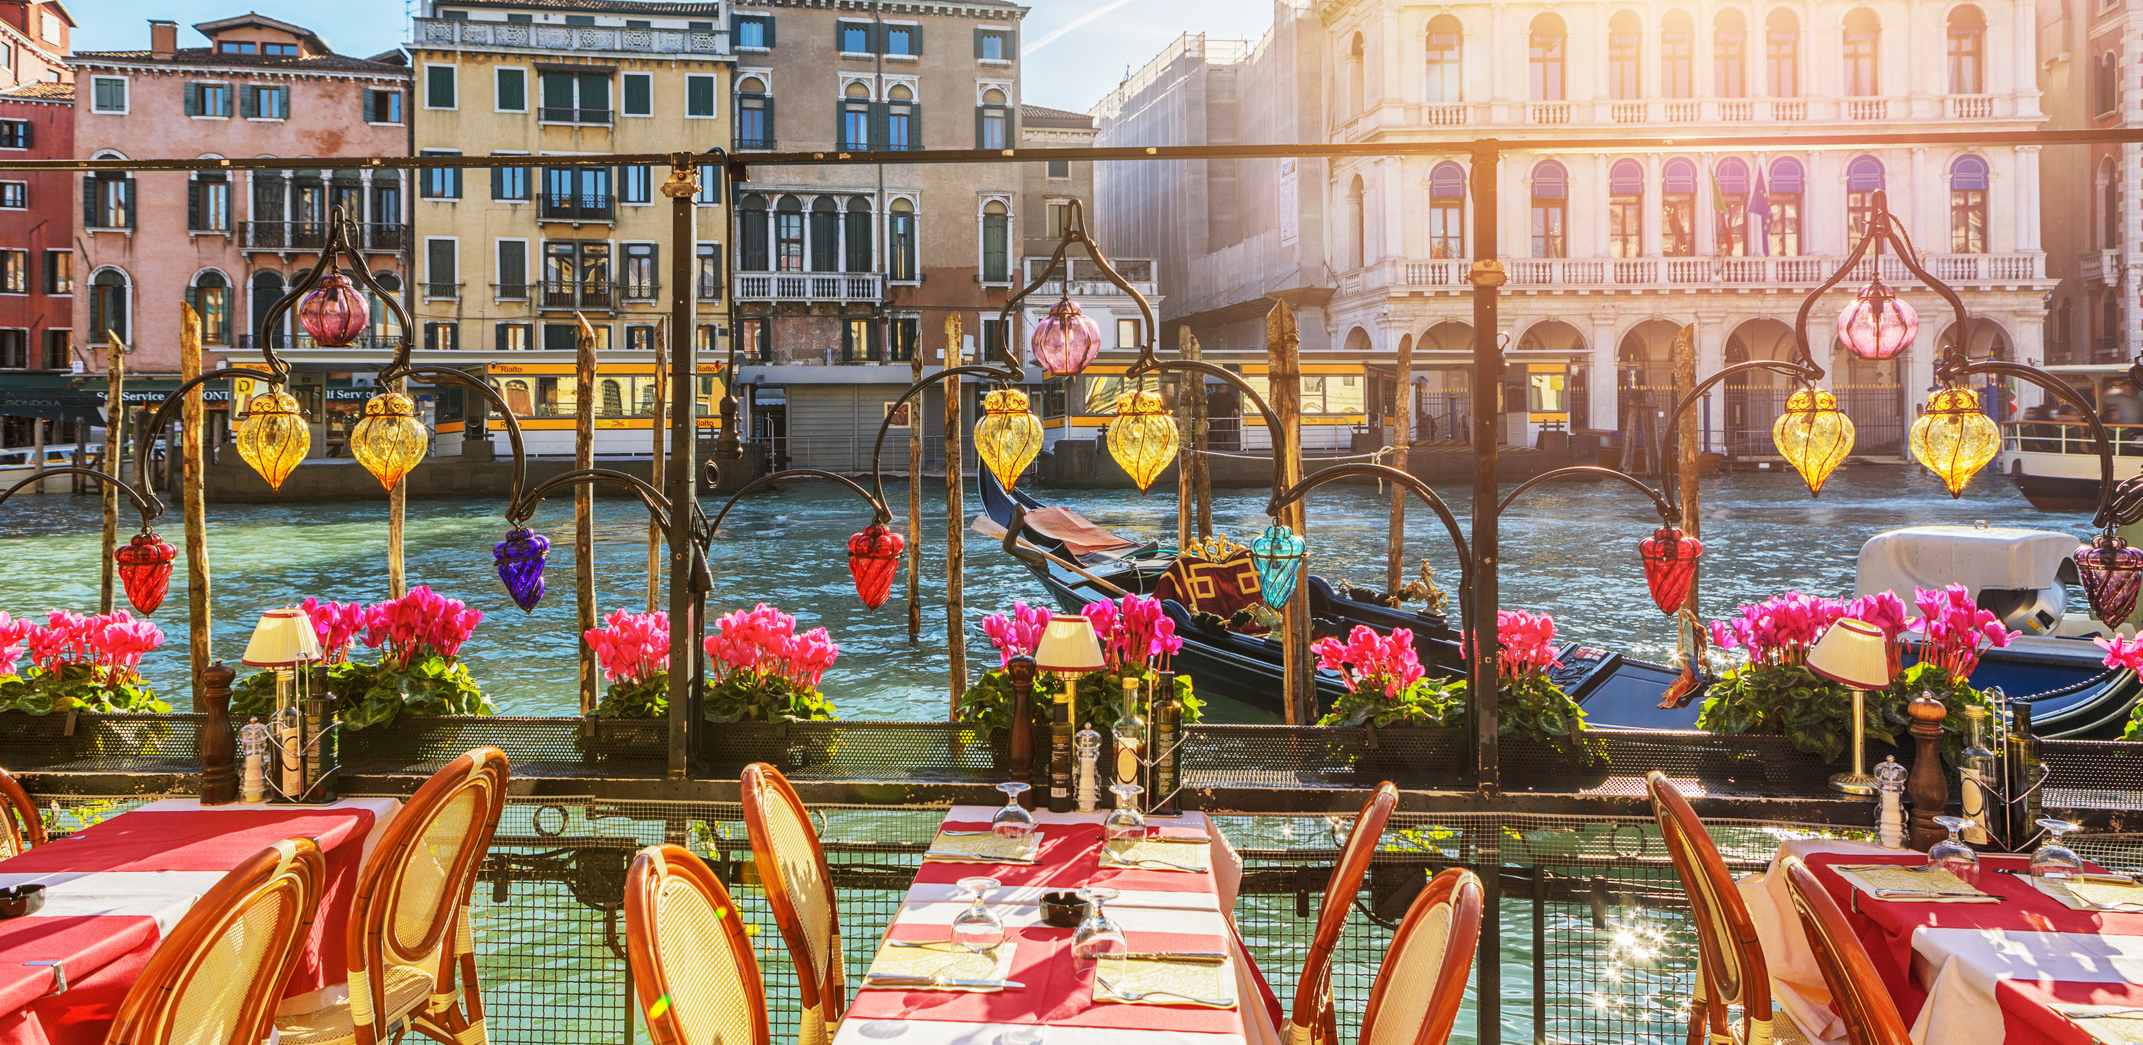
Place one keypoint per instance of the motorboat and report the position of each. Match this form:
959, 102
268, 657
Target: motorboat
2049, 453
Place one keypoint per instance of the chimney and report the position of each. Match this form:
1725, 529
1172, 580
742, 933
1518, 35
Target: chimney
163, 38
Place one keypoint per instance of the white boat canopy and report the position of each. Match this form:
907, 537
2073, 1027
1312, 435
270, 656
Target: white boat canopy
1933, 556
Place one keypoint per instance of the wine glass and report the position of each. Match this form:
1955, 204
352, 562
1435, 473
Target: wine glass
1013, 821
1125, 822
978, 928
2053, 861
1951, 854
1097, 935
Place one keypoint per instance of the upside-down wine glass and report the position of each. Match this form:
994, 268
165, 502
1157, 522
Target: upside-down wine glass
1951, 854
1013, 821
978, 928
1125, 822
2053, 861
1097, 935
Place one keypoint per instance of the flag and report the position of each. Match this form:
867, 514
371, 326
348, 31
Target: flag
1722, 240
1759, 218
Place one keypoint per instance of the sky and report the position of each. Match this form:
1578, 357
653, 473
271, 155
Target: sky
1075, 50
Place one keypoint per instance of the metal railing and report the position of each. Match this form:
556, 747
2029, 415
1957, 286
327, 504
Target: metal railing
600, 296
575, 206
521, 35
562, 115
1758, 271
305, 343
312, 235
809, 286
2058, 437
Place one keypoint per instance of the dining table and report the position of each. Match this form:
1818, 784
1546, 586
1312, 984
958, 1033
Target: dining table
1057, 1001
2016, 964
115, 888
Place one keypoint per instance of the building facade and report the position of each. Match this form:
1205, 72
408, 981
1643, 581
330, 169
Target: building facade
1611, 255
2090, 52
36, 233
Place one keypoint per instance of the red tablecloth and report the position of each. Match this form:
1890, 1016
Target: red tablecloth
114, 889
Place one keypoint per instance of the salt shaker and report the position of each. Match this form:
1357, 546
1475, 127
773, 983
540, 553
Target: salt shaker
1087, 745
253, 743
1890, 792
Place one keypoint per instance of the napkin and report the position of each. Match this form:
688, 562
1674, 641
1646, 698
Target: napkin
1138, 975
1154, 854
1868, 878
985, 849
946, 959
2091, 894
2124, 1029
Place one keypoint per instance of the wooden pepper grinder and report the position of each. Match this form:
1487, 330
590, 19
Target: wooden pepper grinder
1927, 787
1020, 756
216, 747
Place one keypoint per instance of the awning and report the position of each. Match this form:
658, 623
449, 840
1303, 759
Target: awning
49, 397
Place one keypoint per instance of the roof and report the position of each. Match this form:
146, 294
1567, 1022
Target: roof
51, 92
255, 18
592, 6
1054, 117
326, 63
57, 6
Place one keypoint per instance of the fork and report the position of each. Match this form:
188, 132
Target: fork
1143, 995
1119, 860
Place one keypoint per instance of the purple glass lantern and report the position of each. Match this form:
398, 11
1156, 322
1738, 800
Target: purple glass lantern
1065, 341
333, 312
520, 561
2112, 575
1878, 324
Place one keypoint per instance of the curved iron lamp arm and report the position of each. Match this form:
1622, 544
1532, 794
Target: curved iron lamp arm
1419, 489
1670, 514
1009, 372
145, 436
879, 514
2106, 514
657, 505
1147, 364
435, 375
1075, 232
149, 507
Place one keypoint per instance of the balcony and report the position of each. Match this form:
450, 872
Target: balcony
2100, 266
809, 286
597, 117
1086, 280
1970, 107
305, 343
575, 206
384, 237
1799, 273
1626, 112
581, 296
1548, 113
1790, 111
1444, 115
1681, 112
1866, 108
440, 32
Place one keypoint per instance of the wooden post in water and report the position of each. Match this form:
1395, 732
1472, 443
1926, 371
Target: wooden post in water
1202, 479
915, 496
37, 455
114, 455
1186, 482
1283, 383
1402, 435
655, 469
397, 523
584, 504
1685, 378
955, 519
196, 512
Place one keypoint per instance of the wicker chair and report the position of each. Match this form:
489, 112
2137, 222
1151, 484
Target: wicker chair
218, 977
18, 839
1410, 1005
799, 890
691, 963
409, 934
1856, 990
1730, 961
1313, 1019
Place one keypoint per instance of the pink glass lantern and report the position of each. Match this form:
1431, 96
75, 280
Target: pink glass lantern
333, 312
1878, 324
2112, 575
1065, 341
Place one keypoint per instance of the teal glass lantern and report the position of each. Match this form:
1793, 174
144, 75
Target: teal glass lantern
1277, 554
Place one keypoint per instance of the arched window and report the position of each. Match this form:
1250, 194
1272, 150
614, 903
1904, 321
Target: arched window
2109, 206
1357, 97
1783, 228
1968, 205
1447, 219
1625, 209
1625, 47
1677, 39
901, 116
857, 258
1678, 209
1782, 54
1731, 182
996, 240
2109, 328
1863, 32
789, 234
613, 398
518, 400
1967, 50
755, 114
1357, 226
825, 235
386, 326
267, 288
1729, 54
210, 297
1544, 58
1863, 179
856, 117
751, 233
108, 306
900, 239
1445, 80
2106, 83
1551, 196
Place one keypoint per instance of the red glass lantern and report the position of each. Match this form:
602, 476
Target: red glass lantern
2112, 575
1878, 324
1065, 341
333, 312
1670, 566
873, 559
145, 568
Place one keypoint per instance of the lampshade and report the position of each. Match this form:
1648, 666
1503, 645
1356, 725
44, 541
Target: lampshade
1065, 341
145, 569
1954, 438
1277, 556
333, 312
1670, 566
1008, 438
1068, 646
2112, 575
282, 638
1143, 437
1878, 324
389, 440
1813, 435
873, 560
274, 436
520, 559
1852, 652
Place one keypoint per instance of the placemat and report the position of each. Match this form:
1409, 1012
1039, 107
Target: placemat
984, 849
950, 960
1207, 983
2124, 1029
2091, 894
1153, 854
1946, 887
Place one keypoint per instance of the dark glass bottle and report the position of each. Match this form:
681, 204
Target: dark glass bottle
1061, 768
1167, 749
2025, 771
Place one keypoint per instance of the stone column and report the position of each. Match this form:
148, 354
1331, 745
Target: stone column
1712, 331
1391, 177
2027, 198
1706, 218
1600, 198
1931, 236
1654, 199
1603, 379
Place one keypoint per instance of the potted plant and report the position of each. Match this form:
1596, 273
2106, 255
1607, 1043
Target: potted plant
418, 673
1386, 684
765, 672
2126, 652
1132, 632
1530, 707
633, 650
987, 704
90, 662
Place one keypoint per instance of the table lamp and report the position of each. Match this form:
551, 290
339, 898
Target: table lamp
1068, 649
281, 641
1853, 654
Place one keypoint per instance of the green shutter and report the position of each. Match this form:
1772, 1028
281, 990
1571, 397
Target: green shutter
193, 204
768, 21
978, 47
699, 91
513, 90
979, 111
282, 102
594, 88
915, 40
89, 202
130, 203
193, 99
877, 126
915, 125
248, 101
557, 90
771, 137
439, 86
639, 94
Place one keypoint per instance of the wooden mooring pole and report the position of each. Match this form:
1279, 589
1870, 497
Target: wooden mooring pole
398, 524
915, 496
1202, 478
1283, 349
198, 624
1685, 378
115, 411
584, 505
1487, 277
1186, 480
655, 468
955, 520
1402, 435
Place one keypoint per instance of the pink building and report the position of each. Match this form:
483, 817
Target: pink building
229, 243
36, 227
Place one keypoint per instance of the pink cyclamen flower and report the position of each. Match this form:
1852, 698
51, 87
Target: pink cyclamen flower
2123, 652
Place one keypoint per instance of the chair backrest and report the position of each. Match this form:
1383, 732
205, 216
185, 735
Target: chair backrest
1857, 991
799, 891
1731, 958
418, 879
691, 962
217, 979
1418, 990
17, 840
1313, 995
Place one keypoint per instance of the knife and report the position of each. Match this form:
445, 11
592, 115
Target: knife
980, 858
886, 980
1201, 957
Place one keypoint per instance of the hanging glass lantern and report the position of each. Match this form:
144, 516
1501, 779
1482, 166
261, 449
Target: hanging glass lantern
873, 560
520, 563
274, 436
1065, 341
1008, 437
1670, 566
1813, 435
2112, 574
1878, 324
1143, 437
333, 311
145, 569
389, 440
1954, 438
1277, 555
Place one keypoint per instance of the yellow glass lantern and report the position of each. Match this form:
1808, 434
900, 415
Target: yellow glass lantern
1143, 437
1954, 438
389, 440
1813, 435
274, 436
1009, 436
